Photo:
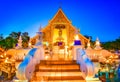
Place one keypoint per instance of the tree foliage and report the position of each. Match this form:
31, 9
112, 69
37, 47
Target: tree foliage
11, 40
112, 45
1, 37
25, 38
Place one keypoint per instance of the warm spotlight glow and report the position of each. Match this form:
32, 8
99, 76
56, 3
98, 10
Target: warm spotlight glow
72, 44
66, 49
76, 37
88, 44
1, 56
5, 54
29, 44
6, 60
107, 61
46, 57
111, 56
116, 56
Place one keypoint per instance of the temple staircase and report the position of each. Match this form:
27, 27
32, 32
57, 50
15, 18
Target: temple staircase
57, 71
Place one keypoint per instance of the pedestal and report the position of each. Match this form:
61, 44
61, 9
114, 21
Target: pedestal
74, 51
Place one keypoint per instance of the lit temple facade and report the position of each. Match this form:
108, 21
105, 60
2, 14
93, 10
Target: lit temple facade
60, 36
60, 32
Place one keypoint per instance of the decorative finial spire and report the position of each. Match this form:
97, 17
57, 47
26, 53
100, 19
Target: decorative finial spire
76, 35
97, 44
88, 44
76, 31
40, 29
39, 35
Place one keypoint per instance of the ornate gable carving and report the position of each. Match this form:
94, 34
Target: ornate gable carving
60, 18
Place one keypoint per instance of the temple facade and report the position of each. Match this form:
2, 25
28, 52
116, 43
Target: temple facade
60, 33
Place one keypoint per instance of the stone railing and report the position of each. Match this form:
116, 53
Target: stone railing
27, 67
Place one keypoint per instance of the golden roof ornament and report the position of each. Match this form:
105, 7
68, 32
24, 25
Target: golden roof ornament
88, 44
40, 29
97, 44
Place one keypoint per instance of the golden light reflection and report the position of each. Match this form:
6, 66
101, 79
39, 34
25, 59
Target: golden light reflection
29, 44
76, 37
72, 44
107, 61
116, 56
1, 56
111, 56
6, 60
46, 57
88, 44
5, 54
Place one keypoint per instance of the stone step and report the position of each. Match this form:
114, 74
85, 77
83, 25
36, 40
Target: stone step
38, 74
62, 78
61, 81
57, 62
57, 68
73, 70
57, 71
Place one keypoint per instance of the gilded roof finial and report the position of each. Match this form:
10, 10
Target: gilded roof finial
89, 45
97, 42
76, 31
40, 28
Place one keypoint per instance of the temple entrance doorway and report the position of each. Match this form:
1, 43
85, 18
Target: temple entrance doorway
59, 50
59, 41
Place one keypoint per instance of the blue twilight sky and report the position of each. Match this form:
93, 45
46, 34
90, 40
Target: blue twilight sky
97, 18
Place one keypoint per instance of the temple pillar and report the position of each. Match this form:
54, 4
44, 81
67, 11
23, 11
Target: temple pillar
52, 33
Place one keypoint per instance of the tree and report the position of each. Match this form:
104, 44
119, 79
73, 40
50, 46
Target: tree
25, 38
1, 37
2, 43
113, 45
15, 35
12, 40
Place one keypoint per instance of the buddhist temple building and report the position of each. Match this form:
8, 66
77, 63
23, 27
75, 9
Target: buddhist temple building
67, 59
60, 33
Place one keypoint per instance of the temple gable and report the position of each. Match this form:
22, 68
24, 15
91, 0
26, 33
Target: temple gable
60, 18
